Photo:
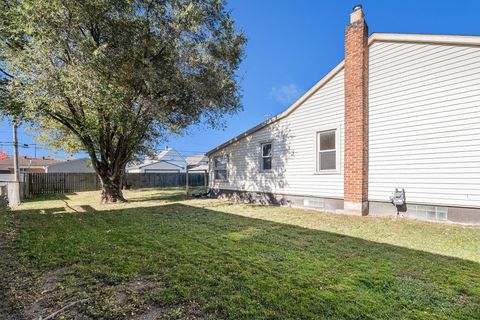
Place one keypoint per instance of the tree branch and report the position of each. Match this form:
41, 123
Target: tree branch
7, 74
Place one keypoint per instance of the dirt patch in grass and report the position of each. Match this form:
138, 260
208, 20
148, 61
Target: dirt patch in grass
46, 295
61, 293
15, 279
126, 300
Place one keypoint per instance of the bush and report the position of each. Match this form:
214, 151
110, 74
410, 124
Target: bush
4, 203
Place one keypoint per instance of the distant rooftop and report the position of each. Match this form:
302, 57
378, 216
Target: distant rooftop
196, 159
29, 161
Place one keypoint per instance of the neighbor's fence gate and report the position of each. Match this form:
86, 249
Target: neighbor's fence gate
47, 183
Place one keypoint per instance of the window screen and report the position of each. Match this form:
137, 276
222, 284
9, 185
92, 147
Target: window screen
220, 168
266, 156
327, 150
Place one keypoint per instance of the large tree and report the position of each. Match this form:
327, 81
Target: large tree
112, 77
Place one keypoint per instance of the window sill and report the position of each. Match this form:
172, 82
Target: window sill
327, 172
266, 171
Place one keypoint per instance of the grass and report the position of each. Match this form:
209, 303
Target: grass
176, 258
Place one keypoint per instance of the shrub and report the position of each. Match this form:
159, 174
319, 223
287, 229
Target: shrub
4, 203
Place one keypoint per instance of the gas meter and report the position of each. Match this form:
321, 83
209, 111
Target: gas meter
398, 199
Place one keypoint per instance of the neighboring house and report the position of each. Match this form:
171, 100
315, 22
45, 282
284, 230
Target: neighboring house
83, 165
26, 165
197, 163
401, 111
156, 166
169, 160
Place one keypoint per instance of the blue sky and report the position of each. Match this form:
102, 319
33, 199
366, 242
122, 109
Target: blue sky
293, 44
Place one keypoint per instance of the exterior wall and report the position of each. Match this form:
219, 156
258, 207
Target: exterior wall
294, 146
23, 169
424, 123
73, 166
428, 212
423, 136
11, 177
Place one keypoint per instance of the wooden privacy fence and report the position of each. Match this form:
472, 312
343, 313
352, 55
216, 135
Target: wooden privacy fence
46, 183
163, 180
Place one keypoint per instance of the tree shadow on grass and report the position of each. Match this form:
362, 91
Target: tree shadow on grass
240, 267
160, 195
49, 197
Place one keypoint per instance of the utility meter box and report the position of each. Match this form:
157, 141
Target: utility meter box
398, 198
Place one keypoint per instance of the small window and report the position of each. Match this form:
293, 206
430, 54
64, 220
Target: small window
327, 151
220, 168
267, 156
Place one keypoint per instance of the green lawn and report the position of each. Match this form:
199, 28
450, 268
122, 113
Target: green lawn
162, 255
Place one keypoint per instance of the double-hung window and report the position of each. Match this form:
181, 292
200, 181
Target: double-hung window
327, 147
266, 160
220, 167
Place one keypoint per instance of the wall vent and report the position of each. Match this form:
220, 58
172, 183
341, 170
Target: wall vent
429, 213
314, 203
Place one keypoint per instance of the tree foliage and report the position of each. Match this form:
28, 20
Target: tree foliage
112, 77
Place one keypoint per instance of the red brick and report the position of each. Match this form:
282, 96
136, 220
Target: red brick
356, 112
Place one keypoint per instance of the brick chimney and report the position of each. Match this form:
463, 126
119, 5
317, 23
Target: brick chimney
356, 114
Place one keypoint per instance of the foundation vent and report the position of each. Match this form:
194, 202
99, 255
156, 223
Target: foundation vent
313, 203
429, 213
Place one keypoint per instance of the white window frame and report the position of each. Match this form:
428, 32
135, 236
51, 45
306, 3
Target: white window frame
215, 168
337, 149
262, 169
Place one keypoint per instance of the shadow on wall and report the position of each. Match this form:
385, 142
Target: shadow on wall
232, 263
245, 170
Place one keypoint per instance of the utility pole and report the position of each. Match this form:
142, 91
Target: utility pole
15, 200
15, 153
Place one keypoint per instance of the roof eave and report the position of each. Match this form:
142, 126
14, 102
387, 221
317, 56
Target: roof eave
285, 113
470, 40
444, 39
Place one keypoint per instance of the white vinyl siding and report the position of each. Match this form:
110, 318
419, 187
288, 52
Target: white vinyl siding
424, 128
293, 150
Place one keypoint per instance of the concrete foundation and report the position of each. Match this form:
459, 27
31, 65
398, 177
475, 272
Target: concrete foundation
298, 201
356, 208
428, 212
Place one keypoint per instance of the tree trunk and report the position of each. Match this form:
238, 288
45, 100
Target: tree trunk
112, 189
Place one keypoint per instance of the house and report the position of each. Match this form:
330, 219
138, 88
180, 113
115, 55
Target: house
401, 111
82, 165
169, 160
26, 165
197, 163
